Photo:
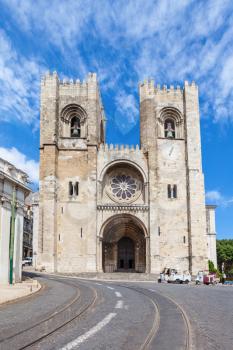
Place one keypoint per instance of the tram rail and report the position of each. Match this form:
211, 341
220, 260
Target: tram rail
32, 335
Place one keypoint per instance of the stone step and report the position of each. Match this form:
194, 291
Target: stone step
116, 276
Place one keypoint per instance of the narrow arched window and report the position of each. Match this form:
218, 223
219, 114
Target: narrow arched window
101, 131
71, 189
169, 128
75, 129
169, 191
172, 191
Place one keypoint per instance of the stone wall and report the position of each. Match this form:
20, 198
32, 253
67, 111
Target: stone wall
67, 227
132, 161
71, 226
177, 226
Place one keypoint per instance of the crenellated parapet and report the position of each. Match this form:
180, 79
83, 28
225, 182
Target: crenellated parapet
87, 88
148, 90
91, 78
192, 85
110, 155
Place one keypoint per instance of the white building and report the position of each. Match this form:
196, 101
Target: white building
32, 202
13, 190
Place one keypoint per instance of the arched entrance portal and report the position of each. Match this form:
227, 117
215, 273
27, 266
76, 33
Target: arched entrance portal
124, 245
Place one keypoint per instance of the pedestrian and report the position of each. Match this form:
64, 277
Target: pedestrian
223, 277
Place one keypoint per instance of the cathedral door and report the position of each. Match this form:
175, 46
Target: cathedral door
126, 254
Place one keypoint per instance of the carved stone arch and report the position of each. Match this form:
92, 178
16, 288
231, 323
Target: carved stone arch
123, 162
122, 182
133, 218
173, 114
73, 110
115, 230
68, 113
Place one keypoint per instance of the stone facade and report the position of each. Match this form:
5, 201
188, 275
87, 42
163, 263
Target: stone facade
13, 190
113, 208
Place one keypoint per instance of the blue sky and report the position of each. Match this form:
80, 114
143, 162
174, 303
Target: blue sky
124, 42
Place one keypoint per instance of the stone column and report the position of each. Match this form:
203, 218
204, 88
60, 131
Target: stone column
99, 254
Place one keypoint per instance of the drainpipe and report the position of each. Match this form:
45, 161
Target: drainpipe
12, 234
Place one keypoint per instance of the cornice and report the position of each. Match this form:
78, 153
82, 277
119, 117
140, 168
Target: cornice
122, 207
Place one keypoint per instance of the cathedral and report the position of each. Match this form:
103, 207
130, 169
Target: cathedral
119, 208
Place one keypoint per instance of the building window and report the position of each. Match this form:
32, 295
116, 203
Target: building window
169, 128
184, 239
76, 188
75, 129
169, 191
172, 191
123, 186
73, 189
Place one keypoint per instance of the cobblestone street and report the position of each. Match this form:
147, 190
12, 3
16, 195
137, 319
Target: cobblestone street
72, 313
209, 309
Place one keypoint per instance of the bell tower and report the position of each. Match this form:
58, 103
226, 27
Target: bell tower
170, 136
72, 128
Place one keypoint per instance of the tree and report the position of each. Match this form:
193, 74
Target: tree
225, 253
211, 266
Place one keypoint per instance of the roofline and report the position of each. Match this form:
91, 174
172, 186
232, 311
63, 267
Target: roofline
12, 179
6, 161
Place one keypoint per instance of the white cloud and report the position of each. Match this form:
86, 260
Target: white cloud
227, 76
216, 197
168, 40
126, 111
61, 22
20, 161
19, 85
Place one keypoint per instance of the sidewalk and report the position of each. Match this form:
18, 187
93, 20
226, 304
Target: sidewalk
18, 290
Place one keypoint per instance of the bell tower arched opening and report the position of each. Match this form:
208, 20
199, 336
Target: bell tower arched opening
124, 245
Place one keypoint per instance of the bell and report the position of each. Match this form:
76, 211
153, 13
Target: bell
170, 134
75, 132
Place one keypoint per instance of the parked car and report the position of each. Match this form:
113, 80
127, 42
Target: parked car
27, 261
172, 276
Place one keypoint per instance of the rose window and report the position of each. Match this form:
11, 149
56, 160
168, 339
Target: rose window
123, 187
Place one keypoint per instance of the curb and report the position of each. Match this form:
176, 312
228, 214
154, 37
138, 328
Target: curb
19, 298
